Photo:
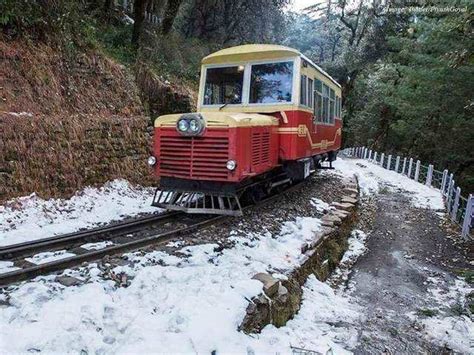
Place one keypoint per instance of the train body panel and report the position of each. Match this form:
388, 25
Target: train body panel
249, 140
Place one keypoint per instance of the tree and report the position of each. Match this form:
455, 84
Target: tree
171, 11
139, 7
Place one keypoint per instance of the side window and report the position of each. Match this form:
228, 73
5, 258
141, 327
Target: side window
332, 106
303, 90
325, 103
318, 101
310, 92
340, 108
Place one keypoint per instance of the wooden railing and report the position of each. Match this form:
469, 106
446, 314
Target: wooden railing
459, 208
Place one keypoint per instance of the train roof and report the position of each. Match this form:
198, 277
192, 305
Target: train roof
248, 52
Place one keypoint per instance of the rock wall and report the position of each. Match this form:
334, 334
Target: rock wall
55, 156
72, 119
281, 299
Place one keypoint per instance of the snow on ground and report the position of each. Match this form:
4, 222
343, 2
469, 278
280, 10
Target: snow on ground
356, 248
372, 178
29, 218
448, 326
192, 303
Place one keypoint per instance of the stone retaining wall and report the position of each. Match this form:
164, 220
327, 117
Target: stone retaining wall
281, 299
55, 156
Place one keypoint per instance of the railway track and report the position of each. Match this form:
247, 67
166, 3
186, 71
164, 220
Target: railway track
125, 236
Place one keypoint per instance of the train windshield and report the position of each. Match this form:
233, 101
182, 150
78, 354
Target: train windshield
224, 85
272, 82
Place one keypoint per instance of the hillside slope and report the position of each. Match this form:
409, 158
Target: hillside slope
71, 119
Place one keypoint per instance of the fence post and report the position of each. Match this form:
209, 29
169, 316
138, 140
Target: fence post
375, 157
382, 157
370, 154
429, 175
450, 192
389, 162
397, 163
366, 152
467, 223
456, 205
417, 170
443, 182
404, 165
410, 166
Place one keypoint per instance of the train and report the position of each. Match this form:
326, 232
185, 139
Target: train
266, 117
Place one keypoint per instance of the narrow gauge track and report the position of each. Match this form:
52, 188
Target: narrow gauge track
128, 235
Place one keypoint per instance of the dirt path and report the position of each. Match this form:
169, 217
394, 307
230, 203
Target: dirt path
407, 279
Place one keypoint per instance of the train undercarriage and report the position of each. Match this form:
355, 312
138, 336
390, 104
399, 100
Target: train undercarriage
210, 197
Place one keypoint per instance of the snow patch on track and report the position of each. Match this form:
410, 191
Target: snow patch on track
49, 256
31, 218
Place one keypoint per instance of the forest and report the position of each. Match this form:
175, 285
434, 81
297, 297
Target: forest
406, 67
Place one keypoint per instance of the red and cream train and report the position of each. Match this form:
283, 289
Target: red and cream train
266, 116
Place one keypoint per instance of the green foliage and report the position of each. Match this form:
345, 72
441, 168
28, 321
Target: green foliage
418, 99
116, 41
63, 22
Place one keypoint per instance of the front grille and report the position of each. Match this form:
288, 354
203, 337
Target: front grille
260, 148
194, 157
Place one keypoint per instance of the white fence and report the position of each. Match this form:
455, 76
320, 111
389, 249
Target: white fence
459, 208
127, 6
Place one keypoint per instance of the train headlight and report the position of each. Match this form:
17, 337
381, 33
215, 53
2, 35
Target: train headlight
194, 126
151, 160
231, 165
183, 125
191, 124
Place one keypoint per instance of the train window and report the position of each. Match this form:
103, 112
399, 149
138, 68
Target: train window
318, 101
310, 92
271, 82
223, 85
338, 106
303, 90
326, 104
332, 105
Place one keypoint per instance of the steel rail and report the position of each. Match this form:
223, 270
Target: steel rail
98, 233
61, 264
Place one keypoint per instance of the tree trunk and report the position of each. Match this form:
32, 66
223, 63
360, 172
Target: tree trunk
139, 17
172, 8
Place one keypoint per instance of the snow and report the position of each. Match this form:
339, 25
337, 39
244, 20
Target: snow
192, 303
97, 246
7, 266
372, 178
194, 300
356, 248
320, 205
445, 328
31, 218
455, 332
49, 256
